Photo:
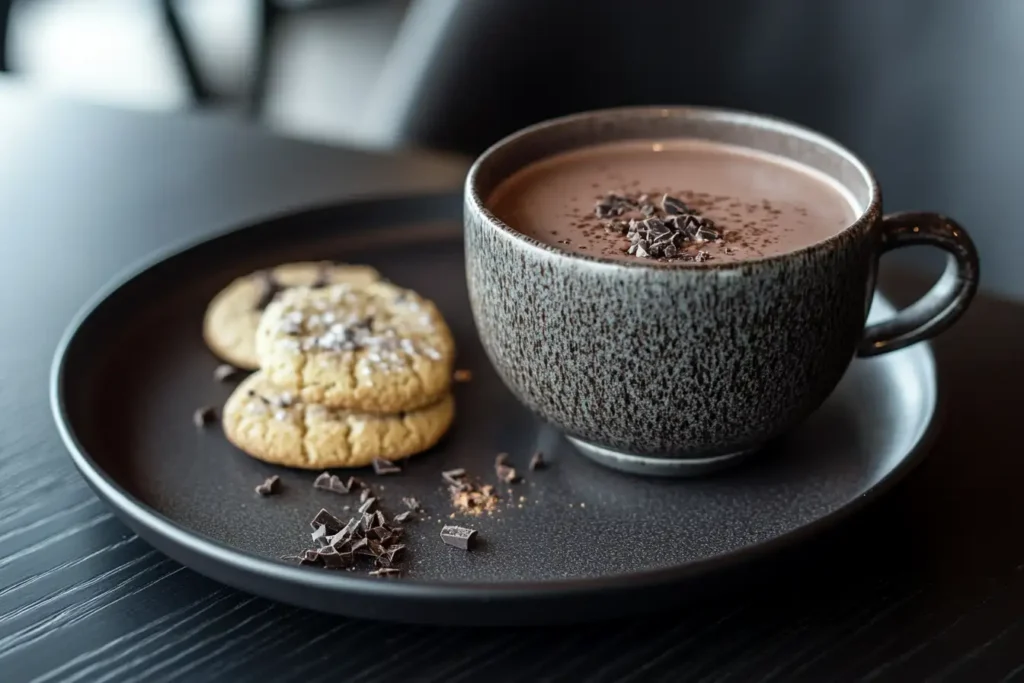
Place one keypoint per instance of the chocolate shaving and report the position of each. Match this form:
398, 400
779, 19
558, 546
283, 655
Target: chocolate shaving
309, 557
365, 535
382, 467
269, 486
402, 517
225, 372
457, 536
537, 461
364, 494
507, 474
354, 483
673, 206
332, 523
386, 571
203, 416
411, 503
454, 477
326, 481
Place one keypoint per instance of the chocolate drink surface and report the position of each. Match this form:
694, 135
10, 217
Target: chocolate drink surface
672, 201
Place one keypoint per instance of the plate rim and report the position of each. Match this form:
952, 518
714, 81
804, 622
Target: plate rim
148, 522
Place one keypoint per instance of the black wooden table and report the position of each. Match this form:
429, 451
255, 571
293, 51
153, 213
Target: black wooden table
927, 585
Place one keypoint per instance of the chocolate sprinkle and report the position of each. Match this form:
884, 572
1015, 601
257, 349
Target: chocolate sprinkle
326, 481
457, 536
537, 461
382, 467
225, 372
203, 416
269, 486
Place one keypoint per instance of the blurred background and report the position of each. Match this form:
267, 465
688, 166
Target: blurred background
929, 92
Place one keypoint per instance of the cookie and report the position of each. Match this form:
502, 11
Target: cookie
376, 348
271, 425
233, 316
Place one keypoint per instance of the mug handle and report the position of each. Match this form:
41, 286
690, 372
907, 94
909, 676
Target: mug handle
945, 301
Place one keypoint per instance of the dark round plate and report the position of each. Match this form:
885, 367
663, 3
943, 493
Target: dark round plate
573, 541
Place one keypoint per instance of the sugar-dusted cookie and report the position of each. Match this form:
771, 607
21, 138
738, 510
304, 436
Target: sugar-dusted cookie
273, 426
232, 317
376, 348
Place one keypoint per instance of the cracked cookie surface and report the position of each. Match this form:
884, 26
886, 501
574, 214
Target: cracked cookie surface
376, 348
232, 317
275, 426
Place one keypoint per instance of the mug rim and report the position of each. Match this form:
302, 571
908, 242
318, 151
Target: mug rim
737, 116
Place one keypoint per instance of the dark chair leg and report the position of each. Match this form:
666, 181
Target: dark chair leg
5, 20
270, 14
200, 92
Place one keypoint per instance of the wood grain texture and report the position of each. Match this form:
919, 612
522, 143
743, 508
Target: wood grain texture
927, 585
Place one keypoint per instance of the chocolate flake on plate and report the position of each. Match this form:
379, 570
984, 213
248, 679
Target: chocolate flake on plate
269, 486
325, 481
367, 536
203, 416
364, 494
411, 503
457, 536
332, 523
454, 477
382, 467
225, 372
462, 376
402, 517
673, 206
537, 461
505, 472
386, 571
367, 505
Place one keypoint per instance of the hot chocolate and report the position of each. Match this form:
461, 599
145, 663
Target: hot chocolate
673, 201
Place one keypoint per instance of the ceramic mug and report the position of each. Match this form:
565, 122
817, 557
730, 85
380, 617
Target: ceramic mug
721, 357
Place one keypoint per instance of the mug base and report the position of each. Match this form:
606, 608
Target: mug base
660, 466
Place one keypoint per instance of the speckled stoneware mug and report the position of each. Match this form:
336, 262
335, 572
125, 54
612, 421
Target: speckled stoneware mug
720, 357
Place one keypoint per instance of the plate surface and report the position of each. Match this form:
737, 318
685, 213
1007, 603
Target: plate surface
574, 541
